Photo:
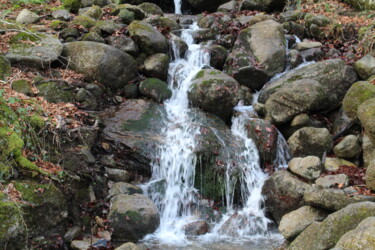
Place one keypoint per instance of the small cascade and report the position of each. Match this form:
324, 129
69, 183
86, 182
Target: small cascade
177, 7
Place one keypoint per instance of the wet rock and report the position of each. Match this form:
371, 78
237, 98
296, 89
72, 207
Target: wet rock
149, 39
84, 244
333, 164
295, 58
283, 193
365, 66
293, 223
206, 5
366, 115
309, 167
155, 89
124, 188
253, 48
333, 180
26, 16
163, 22
180, 44
44, 50
132, 217
204, 34
196, 228
329, 231
72, 233
5, 68
117, 174
215, 92
348, 147
124, 43
310, 141
218, 55
100, 62
358, 93
128, 246
267, 5
151, 8
62, 15
157, 66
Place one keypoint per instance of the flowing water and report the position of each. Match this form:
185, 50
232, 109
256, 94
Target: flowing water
174, 168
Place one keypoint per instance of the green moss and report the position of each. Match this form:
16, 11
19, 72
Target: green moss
36, 121
139, 25
55, 93
29, 192
58, 24
142, 124
85, 21
23, 36
72, 5
10, 218
200, 74
155, 89
5, 68
134, 216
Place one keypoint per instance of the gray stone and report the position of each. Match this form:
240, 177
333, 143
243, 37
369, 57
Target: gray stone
124, 188
365, 66
228, 7
93, 37
348, 147
62, 15
333, 180
157, 66
370, 177
368, 151
358, 93
333, 164
305, 45
310, 141
295, 222
118, 174
124, 43
366, 115
26, 16
309, 167
94, 12
196, 228
72, 233
128, 246
151, 8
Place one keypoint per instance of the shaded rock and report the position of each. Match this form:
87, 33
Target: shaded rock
149, 39
196, 228
295, 222
5, 68
310, 141
348, 147
12, 230
131, 91
203, 35
309, 167
218, 55
138, 13
117, 174
100, 62
54, 92
127, 246
257, 55
27, 16
361, 237
366, 115
283, 193
265, 5
155, 89
132, 217
365, 66
69, 32
327, 233
62, 15
124, 43
206, 5
362, 4
151, 8
108, 26
333, 180
44, 50
358, 93
179, 44
157, 66
368, 151
124, 188
228, 7
22, 86
72, 233
333, 164
215, 92
126, 16
93, 37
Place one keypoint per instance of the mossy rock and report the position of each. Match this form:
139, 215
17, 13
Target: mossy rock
366, 115
155, 89
93, 37
94, 12
55, 93
362, 4
356, 95
5, 68
126, 16
12, 231
151, 8
138, 13
72, 5
108, 26
85, 21
22, 86
58, 24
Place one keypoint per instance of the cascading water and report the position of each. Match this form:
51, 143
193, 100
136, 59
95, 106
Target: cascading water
177, 7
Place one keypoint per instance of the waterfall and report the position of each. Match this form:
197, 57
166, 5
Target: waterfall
177, 7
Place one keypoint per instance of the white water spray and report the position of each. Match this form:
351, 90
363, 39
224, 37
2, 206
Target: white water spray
177, 7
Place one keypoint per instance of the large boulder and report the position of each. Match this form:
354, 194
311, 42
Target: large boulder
157, 66
348, 147
358, 93
328, 232
216, 93
34, 49
333, 75
258, 54
310, 141
283, 193
149, 39
309, 167
366, 114
206, 5
361, 237
132, 217
100, 62
263, 5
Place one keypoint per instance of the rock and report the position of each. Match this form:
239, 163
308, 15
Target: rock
310, 141
155, 89
117, 174
327, 233
69, 32
333, 75
12, 230
54, 92
163, 22
84, 244
149, 39
72, 233
293, 223
305, 45
138, 13
123, 188
333, 164
365, 66
366, 115
22, 86
228, 7
126, 16
124, 43
100, 62
43, 50
196, 228
265, 5
100, 3
370, 177
204, 35
215, 92
108, 26
309, 167
293, 99
206, 5
27, 16
333, 180
72, 5
5, 68
283, 193
94, 12
358, 93
157, 66
348, 147
179, 44
295, 58
62, 15
151, 9
368, 151
127, 246
131, 91
93, 37
218, 55
85, 21
361, 237
132, 217
257, 55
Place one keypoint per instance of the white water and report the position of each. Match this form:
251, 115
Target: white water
177, 6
